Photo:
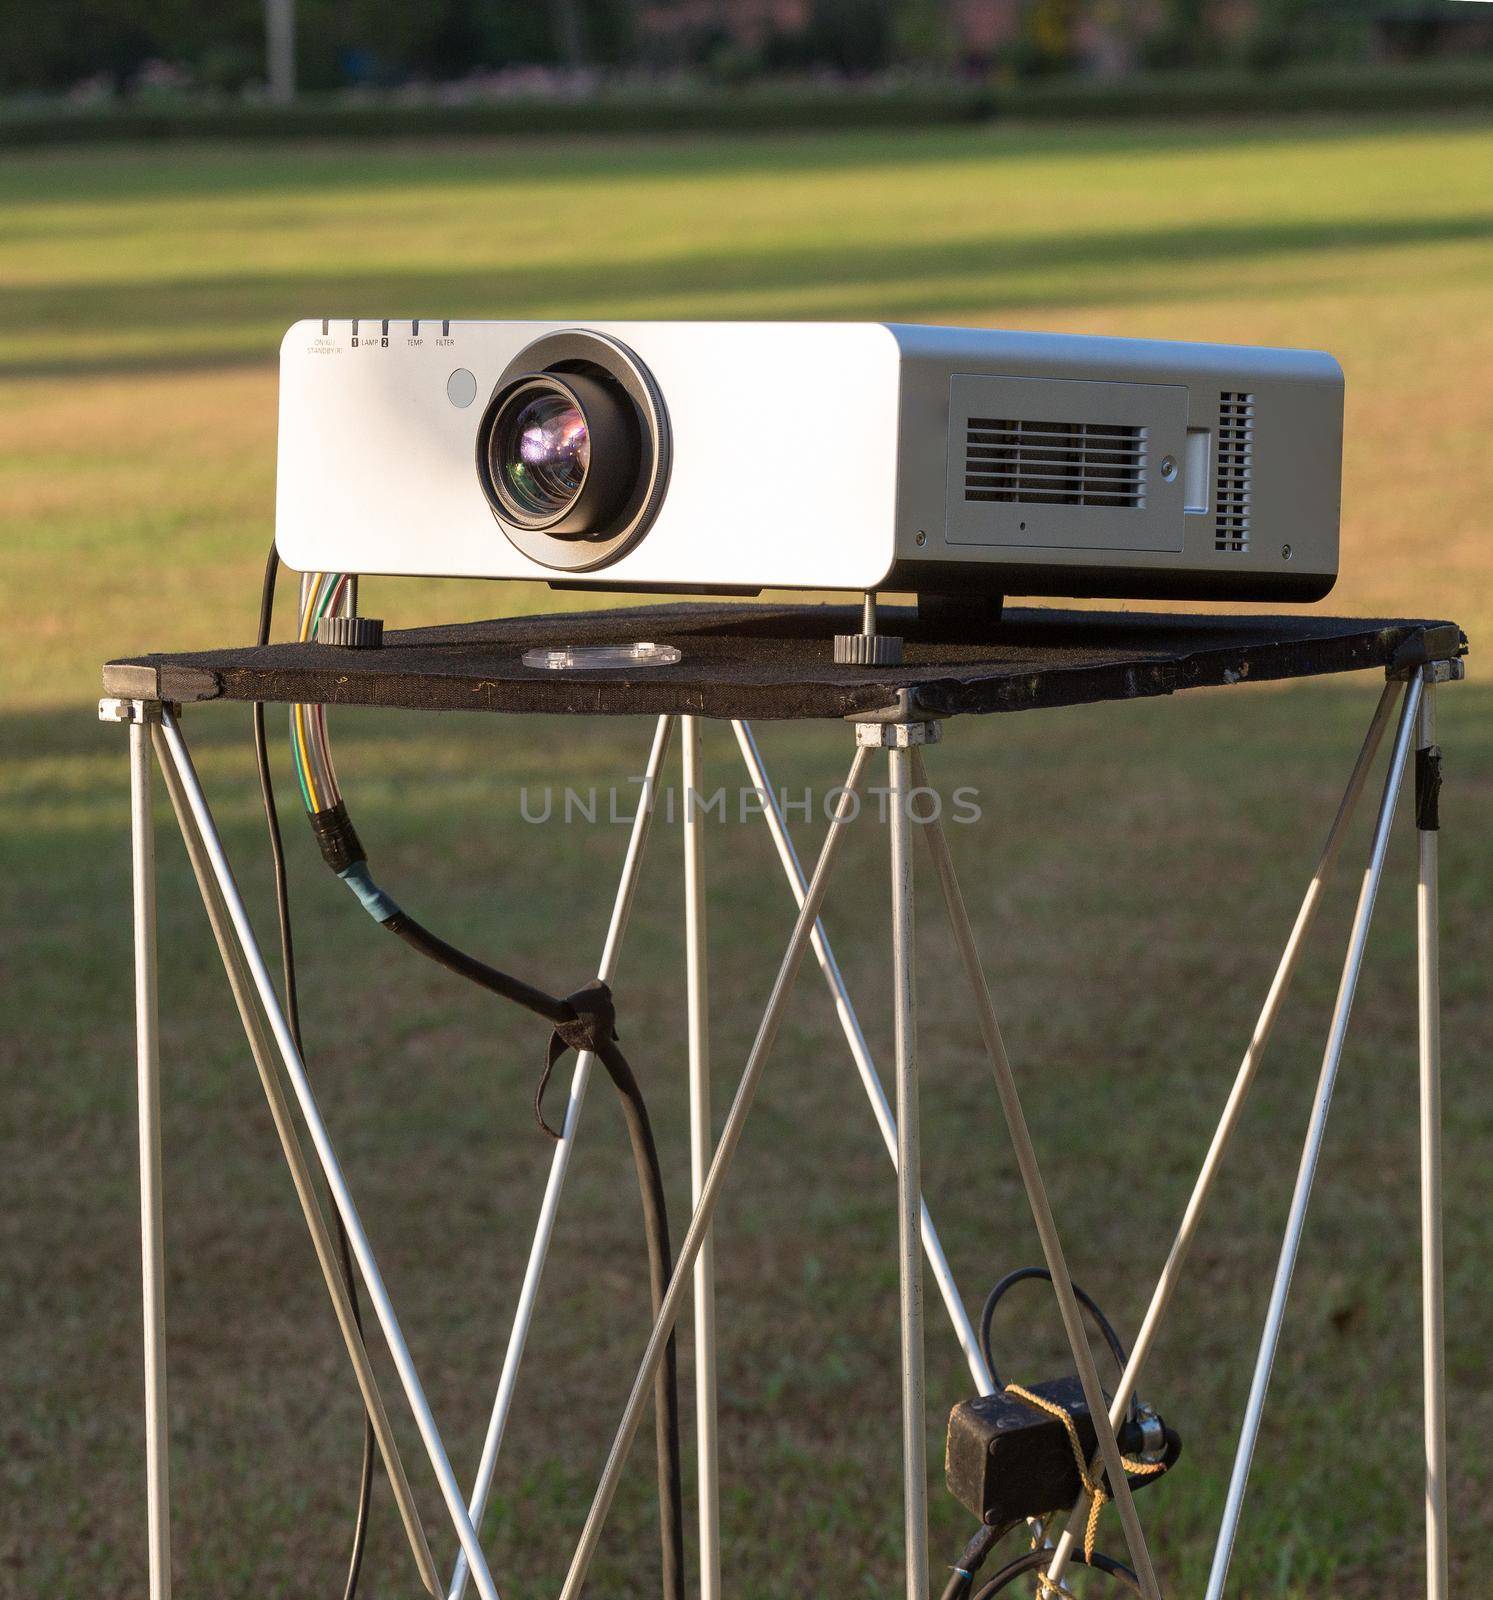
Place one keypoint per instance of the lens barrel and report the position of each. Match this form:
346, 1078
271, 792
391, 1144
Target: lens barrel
572, 450
562, 452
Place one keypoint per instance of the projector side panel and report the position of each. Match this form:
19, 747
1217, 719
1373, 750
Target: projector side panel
783, 468
1064, 465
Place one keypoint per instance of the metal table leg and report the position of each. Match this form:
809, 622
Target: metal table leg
1428, 965
909, 1181
152, 1242
701, 1142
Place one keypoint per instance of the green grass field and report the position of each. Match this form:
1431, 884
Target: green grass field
1132, 878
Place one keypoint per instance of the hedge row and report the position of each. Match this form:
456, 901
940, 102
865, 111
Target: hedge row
1449, 87
1354, 90
603, 113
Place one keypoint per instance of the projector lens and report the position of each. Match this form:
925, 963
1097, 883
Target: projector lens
573, 450
561, 453
541, 451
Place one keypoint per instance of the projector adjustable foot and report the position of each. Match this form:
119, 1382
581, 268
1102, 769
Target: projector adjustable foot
343, 626
868, 648
351, 632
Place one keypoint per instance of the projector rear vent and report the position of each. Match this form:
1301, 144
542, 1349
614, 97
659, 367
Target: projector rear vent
1055, 463
1236, 435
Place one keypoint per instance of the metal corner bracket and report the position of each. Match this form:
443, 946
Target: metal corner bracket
111, 709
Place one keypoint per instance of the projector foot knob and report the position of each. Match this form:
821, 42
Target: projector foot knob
868, 650
352, 633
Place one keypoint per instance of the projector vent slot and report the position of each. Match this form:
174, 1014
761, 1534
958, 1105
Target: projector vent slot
1055, 463
1236, 437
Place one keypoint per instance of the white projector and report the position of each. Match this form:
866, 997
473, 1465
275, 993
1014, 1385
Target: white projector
735, 457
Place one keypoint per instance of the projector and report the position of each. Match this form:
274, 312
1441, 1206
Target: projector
734, 457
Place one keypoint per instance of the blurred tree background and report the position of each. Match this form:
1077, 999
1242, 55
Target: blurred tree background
165, 46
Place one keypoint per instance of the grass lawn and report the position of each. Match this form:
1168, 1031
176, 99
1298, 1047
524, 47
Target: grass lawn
1132, 877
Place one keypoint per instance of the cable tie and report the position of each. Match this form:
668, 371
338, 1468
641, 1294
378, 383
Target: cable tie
592, 1023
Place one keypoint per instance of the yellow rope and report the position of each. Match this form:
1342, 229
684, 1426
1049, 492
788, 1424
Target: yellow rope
1093, 1487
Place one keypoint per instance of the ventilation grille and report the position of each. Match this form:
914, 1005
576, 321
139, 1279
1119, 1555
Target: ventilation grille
1231, 489
1055, 463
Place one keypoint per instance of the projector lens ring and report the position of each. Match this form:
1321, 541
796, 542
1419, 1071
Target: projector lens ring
573, 450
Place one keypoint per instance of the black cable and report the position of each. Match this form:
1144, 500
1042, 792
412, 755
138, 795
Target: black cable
972, 1558
1034, 1560
293, 1017
660, 1267
1021, 1275
596, 1034
448, 956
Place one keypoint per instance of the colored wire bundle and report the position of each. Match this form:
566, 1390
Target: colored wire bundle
310, 747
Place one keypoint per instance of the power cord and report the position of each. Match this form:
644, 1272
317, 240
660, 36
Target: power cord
586, 1020
582, 1021
1025, 1275
293, 1017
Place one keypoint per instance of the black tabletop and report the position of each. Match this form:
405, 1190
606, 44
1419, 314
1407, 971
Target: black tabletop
762, 661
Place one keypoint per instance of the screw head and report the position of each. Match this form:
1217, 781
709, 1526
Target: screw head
1169, 467
920, 538
1285, 552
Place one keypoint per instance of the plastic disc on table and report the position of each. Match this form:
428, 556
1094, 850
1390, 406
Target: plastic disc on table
600, 657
